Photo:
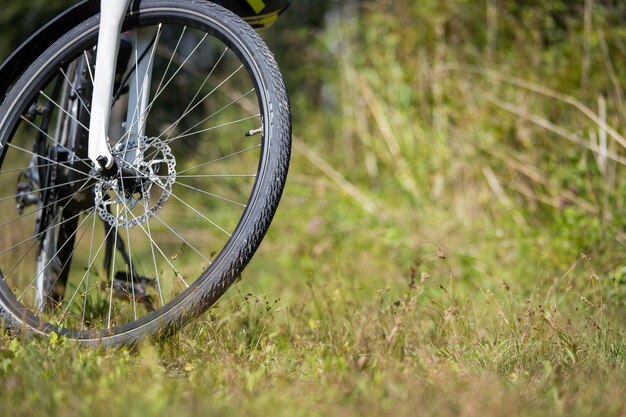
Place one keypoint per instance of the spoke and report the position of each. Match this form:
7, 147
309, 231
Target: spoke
183, 239
191, 208
113, 269
216, 176
219, 159
199, 214
168, 140
156, 245
75, 92
180, 67
80, 239
50, 160
154, 154
160, 91
130, 261
211, 194
206, 80
27, 214
182, 136
87, 273
53, 140
86, 55
218, 111
145, 112
42, 189
52, 258
37, 236
130, 251
63, 110
189, 106
35, 166
169, 64
39, 209
89, 265
132, 272
173, 125
4, 278
149, 234
29, 249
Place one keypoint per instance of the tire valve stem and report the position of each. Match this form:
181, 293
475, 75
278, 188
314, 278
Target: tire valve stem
254, 132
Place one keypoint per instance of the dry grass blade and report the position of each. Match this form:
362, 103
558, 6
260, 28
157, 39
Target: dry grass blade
335, 176
384, 124
557, 200
548, 92
554, 128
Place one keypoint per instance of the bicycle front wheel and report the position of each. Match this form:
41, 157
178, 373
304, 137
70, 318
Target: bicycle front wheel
110, 258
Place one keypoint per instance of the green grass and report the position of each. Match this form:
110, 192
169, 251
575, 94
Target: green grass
345, 321
450, 242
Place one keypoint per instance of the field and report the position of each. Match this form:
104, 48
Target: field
451, 241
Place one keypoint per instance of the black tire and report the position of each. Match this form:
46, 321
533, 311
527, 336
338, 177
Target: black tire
250, 211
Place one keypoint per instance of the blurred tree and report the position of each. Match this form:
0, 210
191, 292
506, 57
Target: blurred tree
19, 19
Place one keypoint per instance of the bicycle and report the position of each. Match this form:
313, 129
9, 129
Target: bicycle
144, 149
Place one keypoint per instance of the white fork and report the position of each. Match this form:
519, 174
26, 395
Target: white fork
112, 14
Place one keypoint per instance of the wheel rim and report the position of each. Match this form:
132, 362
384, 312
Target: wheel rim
179, 238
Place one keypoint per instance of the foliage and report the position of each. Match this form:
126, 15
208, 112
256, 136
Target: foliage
20, 19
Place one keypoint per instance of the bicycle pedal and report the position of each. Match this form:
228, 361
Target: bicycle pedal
126, 289
137, 279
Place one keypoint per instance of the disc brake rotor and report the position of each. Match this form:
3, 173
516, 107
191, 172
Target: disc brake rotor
117, 196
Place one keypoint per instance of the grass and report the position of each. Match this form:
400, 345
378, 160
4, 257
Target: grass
325, 326
450, 241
